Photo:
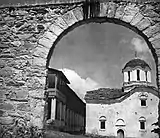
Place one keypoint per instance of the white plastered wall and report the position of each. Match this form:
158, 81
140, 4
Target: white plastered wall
125, 76
129, 110
134, 75
149, 76
142, 75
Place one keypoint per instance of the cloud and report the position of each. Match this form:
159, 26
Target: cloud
139, 45
79, 84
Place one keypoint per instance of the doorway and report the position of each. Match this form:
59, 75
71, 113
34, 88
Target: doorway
120, 133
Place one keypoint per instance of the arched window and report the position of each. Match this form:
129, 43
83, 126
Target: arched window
102, 120
142, 121
138, 74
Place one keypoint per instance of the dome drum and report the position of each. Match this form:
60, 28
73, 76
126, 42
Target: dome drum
126, 69
136, 72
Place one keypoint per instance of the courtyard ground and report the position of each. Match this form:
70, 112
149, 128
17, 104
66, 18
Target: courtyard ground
56, 134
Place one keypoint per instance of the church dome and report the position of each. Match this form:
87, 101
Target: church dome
137, 63
136, 72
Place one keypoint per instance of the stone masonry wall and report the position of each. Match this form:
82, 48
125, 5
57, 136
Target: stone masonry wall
28, 35
23, 55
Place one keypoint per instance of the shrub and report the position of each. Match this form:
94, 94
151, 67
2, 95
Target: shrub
21, 129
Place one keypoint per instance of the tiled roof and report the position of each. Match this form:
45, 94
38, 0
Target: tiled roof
136, 62
111, 95
104, 94
60, 73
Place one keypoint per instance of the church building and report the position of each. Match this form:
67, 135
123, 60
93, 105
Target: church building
128, 112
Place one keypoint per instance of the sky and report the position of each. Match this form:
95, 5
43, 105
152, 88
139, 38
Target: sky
92, 56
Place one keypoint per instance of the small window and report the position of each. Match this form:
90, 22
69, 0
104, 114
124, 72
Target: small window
102, 125
102, 120
143, 102
138, 74
142, 121
142, 125
129, 75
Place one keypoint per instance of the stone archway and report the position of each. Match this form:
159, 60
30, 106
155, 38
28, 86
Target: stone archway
29, 35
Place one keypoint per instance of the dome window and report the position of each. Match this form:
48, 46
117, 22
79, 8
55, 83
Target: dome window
129, 75
146, 75
138, 75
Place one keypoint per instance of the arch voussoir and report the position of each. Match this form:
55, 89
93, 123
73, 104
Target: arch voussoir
156, 43
152, 30
44, 44
129, 12
155, 37
120, 12
137, 18
40, 52
47, 39
70, 18
55, 29
143, 24
111, 11
59, 21
39, 61
78, 13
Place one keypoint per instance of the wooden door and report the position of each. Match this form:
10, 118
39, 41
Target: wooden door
120, 134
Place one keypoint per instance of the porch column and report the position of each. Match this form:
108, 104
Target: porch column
64, 112
60, 106
53, 108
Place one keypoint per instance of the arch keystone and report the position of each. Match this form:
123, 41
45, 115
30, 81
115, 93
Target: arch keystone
103, 9
111, 9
